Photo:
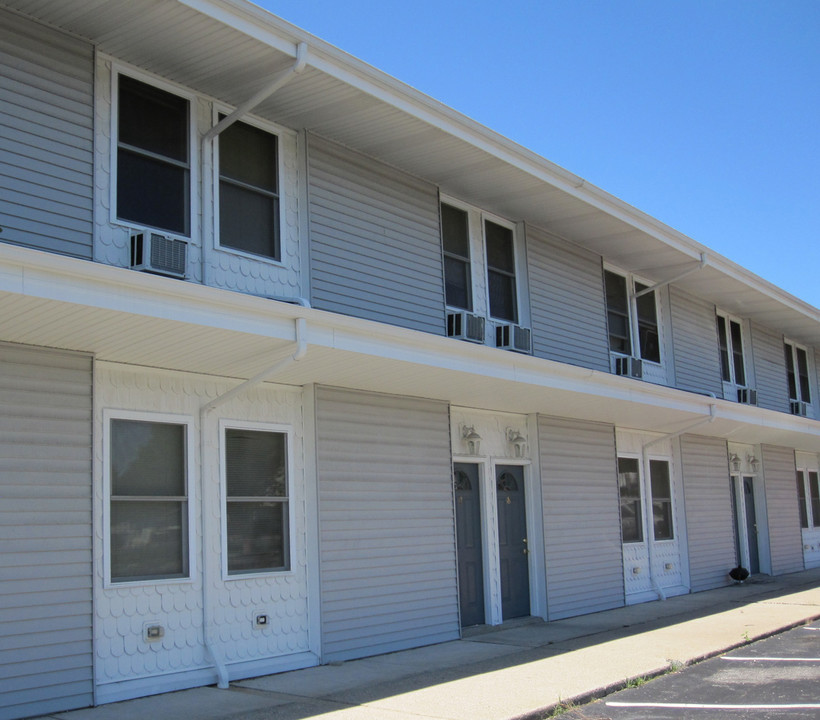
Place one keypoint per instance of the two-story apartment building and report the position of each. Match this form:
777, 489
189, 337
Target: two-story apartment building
298, 365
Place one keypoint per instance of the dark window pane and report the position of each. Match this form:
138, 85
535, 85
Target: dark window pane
153, 119
248, 220
255, 463
248, 154
801, 497
502, 296
723, 344
648, 325
803, 371
500, 255
147, 459
617, 306
457, 283
455, 231
257, 536
152, 192
661, 499
790, 374
149, 540
629, 487
737, 353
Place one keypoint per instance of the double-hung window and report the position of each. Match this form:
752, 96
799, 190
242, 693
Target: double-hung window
501, 287
256, 498
455, 232
797, 375
153, 156
661, 485
148, 505
632, 318
730, 343
249, 191
808, 495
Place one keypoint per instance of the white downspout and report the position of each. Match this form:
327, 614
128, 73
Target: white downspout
298, 354
648, 519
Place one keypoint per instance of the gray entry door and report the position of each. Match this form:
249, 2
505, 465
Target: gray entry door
751, 524
512, 542
468, 544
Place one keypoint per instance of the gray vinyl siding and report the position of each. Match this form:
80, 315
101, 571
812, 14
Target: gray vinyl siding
387, 529
770, 369
582, 529
46, 138
785, 536
567, 302
375, 243
45, 531
694, 339
708, 504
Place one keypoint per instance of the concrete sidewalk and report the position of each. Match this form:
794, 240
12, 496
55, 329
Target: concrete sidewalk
520, 670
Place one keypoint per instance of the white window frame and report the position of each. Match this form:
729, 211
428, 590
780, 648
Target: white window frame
634, 327
278, 132
118, 69
730, 386
807, 498
187, 421
479, 279
287, 431
795, 346
641, 496
470, 257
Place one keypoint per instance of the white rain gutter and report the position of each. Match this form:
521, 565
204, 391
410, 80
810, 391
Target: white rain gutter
702, 263
298, 354
648, 519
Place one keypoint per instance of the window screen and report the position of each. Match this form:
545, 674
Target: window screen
501, 272
801, 499
257, 501
149, 503
629, 487
456, 244
661, 500
248, 191
617, 310
153, 168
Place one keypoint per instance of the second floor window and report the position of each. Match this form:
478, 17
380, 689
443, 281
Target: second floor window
455, 233
797, 373
632, 321
501, 289
153, 157
248, 191
730, 342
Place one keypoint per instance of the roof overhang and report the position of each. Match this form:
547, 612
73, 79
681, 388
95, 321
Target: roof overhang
122, 316
229, 49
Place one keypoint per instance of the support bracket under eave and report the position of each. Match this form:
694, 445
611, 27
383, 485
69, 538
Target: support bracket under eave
702, 263
277, 82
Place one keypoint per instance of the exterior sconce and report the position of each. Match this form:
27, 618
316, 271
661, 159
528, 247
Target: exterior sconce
518, 442
471, 439
734, 461
753, 462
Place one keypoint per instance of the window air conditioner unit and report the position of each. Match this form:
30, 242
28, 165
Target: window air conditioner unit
747, 396
629, 367
799, 407
512, 337
158, 254
465, 326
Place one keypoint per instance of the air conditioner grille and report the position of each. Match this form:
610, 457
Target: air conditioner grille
168, 254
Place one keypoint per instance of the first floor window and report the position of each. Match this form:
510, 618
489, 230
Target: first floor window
808, 495
629, 487
660, 481
248, 190
148, 500
153, 156
256, 483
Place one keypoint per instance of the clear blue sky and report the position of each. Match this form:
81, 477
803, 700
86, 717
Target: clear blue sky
703, 113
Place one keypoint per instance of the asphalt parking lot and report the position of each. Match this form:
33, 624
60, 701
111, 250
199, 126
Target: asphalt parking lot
778, 677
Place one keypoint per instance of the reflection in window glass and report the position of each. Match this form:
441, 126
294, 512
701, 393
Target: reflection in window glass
456, 243
661, 500
629, 487
501, 272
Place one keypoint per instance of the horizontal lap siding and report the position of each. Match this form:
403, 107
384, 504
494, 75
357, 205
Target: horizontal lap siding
582, 532
694, 338
785, 536
45, 532
374, 240
46, 138
388, 565
708, 504
770, 369
567, 302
